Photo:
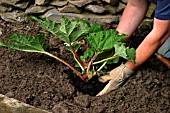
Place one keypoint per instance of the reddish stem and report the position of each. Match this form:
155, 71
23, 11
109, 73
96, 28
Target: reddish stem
72, 68
90, 63
76, 55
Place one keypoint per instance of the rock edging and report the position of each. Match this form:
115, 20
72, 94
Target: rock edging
18, 10
10, 105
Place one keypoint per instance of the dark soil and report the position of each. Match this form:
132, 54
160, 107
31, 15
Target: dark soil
45, 83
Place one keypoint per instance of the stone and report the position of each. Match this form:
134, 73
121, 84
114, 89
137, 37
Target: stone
10, 2
0, 31
95, 8
41, 2
22, 5
124, 1
111, 9
146, 23
59, 2
111, 1
151, 9
80, 3
55, 15
4, 8
115, 9
15, 16
10, 105
38, 9
120, 7
69, 9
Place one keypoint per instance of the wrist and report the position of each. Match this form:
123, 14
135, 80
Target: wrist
131, 65
127, 71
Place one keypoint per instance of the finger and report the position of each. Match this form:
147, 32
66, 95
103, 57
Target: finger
112, 85
105, 78
105, 90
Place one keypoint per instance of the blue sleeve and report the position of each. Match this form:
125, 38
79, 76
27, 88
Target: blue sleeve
162, 11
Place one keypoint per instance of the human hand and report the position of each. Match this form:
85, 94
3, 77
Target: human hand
116, 77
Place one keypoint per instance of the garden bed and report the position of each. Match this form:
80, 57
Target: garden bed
45, 83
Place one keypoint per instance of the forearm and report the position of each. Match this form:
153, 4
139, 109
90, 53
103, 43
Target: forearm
151, 43
132, 16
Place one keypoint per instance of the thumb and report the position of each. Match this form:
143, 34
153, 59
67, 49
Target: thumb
105, 78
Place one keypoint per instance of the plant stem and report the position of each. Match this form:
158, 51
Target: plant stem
76, 56
102, 66
114, 56
78, 62
72, 68
91, 61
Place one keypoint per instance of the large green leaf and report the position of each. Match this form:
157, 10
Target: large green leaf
82, 28
125, 52
114, 60
112, 38
120, 50
47, 24
25, 42
95, 28
52, 27
131, 53
88, 54
64, 25
68, 30
104, 40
